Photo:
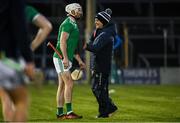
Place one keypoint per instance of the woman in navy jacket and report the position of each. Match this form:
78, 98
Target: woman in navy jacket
101, 45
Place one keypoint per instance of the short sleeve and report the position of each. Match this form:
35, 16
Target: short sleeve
30, 12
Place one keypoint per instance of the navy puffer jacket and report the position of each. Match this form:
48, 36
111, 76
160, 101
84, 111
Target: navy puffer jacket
101, 44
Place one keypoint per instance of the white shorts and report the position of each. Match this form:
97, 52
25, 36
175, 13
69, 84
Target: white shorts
10, 75
59, 65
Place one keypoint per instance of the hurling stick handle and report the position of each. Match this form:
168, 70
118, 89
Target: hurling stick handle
78, 74
55, 50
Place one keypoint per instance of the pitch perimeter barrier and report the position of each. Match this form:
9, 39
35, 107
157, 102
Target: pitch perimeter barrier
133, 76
146, 76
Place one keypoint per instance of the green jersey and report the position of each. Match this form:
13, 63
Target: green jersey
71, 28
31, 13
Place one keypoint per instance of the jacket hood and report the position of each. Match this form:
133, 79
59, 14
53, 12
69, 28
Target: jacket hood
110, 28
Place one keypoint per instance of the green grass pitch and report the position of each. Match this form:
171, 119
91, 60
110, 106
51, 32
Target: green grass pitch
137, 103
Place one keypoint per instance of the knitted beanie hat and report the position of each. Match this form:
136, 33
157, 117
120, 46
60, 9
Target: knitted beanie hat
104, 16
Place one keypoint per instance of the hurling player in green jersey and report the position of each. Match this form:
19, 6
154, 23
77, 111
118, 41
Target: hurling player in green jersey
13, 39
67, 42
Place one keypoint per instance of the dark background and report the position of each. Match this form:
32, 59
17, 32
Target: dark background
147, 22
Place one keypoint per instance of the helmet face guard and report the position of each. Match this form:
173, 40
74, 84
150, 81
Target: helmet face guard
74, 9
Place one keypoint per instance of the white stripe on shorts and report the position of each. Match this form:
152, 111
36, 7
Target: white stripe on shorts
59, 65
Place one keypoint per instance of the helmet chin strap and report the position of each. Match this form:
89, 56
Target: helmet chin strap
77, 19
74, 17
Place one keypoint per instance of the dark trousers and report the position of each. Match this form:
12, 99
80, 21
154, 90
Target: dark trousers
100, 90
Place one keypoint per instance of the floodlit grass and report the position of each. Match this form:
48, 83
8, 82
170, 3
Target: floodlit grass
137, 103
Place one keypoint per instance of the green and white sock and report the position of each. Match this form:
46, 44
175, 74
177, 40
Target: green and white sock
60, 111
69, 108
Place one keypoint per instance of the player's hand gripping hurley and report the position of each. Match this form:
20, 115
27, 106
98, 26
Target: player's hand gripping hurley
60, 56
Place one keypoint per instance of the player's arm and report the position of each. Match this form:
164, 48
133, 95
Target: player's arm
20, 35
63, 47
45, 28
